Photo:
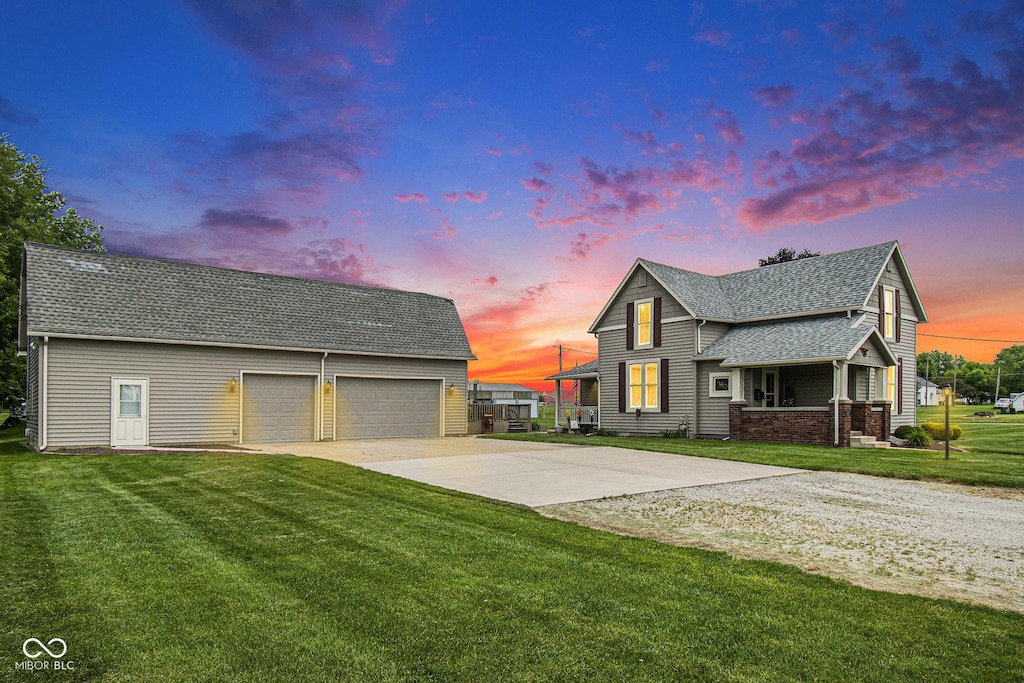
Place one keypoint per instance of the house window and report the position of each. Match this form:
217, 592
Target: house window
889, 313
643, 385
720, 384
890, 385
645, 323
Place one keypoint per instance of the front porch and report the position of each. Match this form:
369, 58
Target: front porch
838, 404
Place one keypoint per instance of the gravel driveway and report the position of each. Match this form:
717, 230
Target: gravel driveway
936, 540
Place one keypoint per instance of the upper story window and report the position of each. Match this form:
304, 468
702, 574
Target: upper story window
889, 313
644, 323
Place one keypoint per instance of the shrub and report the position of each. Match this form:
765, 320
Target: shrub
904, 431
937, 431
604, 432
672, 434
535, 426
918, 438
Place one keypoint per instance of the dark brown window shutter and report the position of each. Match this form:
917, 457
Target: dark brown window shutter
663, 383
896, 316
630, 333
881, 309
622, 387
899, 386
657, 321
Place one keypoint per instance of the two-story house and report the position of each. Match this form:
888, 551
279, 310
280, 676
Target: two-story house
808, 351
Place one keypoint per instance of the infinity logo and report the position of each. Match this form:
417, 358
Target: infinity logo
43, 648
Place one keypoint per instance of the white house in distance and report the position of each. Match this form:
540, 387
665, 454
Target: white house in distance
928, 393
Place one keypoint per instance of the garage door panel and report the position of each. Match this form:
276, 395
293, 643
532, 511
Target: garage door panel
278, 408
379, 408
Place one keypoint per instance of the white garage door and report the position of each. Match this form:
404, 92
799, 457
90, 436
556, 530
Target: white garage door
368, 408
278, 408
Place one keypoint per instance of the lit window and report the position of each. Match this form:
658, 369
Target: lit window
643, 385
890, 313
890, 384
644, 323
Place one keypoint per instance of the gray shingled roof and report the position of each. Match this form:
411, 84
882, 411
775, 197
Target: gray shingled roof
89, 294
587, 370
802, 287
803, 339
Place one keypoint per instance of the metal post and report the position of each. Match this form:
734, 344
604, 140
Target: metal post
947, 395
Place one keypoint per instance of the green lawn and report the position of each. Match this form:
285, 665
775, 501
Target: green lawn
251, 567
995, 448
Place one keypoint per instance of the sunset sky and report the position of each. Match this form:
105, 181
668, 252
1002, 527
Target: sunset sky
519, 156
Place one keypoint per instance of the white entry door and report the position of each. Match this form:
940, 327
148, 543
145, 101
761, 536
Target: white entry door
129, 412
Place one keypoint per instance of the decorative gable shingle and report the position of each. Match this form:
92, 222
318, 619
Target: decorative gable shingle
75, 293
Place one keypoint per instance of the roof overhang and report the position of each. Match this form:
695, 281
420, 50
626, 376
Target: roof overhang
228, 345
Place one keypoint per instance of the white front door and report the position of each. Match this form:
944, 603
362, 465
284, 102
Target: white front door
129, 412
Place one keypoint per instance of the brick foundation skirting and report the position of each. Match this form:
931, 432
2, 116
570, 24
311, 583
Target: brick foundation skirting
813, 427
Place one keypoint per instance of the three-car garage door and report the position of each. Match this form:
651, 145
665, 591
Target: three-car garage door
380, 408
278, 408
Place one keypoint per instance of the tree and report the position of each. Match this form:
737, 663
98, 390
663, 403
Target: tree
28, 212
976, 380
937, 365
1011, 363
786, 254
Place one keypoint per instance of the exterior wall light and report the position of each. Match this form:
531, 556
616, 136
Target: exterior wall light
451, 389
232, 384
327, 386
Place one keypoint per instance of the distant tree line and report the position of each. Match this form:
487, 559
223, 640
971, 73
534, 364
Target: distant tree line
972, 379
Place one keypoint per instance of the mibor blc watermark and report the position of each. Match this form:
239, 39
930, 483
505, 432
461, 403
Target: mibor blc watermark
48, 656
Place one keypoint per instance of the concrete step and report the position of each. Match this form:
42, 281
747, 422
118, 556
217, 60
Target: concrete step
859, 440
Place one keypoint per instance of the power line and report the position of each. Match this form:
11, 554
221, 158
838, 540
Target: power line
942, 336
566, 348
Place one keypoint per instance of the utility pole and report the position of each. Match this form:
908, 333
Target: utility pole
999, 374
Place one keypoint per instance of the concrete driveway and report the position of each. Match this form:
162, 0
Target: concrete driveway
532, 474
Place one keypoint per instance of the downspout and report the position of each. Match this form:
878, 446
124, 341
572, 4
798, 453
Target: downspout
320, 397
695, 427
838, 386
44, 370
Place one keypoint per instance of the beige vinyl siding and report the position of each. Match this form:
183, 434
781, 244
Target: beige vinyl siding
634, 291
710, 332
677, 346
190, 397
714, 410
906, 348
451, 371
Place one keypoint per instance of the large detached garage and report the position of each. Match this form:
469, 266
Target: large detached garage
130, 352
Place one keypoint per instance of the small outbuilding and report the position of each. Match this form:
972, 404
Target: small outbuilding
133, 352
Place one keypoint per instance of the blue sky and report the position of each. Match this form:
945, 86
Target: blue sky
519, 157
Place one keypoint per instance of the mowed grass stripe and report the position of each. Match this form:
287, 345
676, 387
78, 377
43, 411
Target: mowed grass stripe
227, 567
173, 605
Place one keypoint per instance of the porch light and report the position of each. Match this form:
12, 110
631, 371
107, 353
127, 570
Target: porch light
232, 384
451, 389
327, 386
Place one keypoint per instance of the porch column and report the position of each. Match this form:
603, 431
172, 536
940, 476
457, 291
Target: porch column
558, 404
737, 384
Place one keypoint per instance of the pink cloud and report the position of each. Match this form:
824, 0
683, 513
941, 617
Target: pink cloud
536, 184
450, 197
775, 95
714, 36
494, 151
439, 105
543, 168
472, 196
871, 148
727, 126
414, 197
491, 280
